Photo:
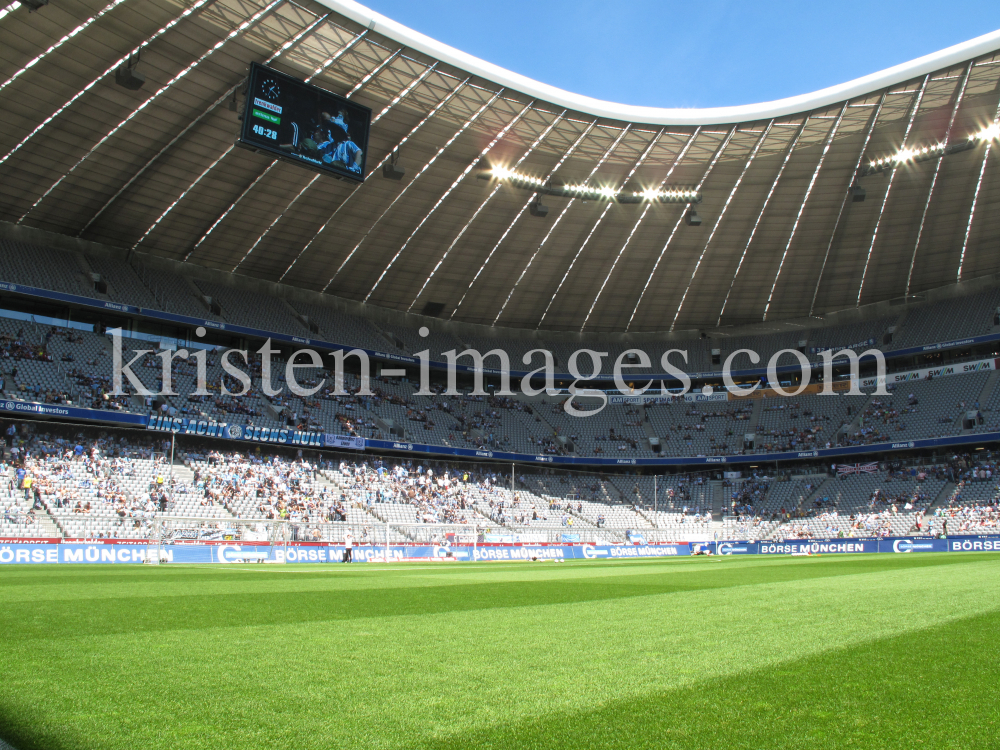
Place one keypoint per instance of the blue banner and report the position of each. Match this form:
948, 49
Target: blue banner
257, 434
114, 552
30, 409
972, 544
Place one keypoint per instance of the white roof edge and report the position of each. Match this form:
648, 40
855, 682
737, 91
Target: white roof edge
658, 115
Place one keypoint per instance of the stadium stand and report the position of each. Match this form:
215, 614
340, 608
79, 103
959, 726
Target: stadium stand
86, 486
242, 305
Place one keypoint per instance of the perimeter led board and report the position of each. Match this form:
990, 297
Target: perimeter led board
305, 124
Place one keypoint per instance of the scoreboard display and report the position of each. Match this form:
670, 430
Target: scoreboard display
305, 124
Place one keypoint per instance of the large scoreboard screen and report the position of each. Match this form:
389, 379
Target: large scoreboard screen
303, 123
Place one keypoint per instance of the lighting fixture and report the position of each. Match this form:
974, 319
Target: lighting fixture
989, 133
588, 192
926, 153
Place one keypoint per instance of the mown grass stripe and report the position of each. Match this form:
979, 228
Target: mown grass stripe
389, 679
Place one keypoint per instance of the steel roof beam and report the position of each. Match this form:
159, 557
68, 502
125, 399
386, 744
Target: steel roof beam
464, 126
520, 213
9, 8
496, 189
121, 61
447, 192
670, 238
937, 171
418, 126
760, 216
802, 205
52, 48
250, 22
645, 210
607, 206
847, 193
187, 128
357, 87
718, 220
562, 213
398, 98
975, 199
888, 188
340, 53
489, 197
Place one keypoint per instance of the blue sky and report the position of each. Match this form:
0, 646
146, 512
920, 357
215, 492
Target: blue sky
694, 54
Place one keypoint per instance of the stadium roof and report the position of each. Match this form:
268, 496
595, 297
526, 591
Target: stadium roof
781, 235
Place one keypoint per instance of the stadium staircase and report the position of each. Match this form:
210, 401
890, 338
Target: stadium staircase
386, 425
855, 424
823, 489
758, 407
392, 340
47, 526
717, 497
332, 480
943, 498
988, 387
145, 279
183, 474
324, 480
649, 519
647, 427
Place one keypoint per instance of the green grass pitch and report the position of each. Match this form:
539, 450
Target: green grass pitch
873, 651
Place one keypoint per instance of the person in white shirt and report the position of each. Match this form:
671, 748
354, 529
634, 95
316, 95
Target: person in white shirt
348, 547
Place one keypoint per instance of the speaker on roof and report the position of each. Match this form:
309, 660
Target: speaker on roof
692, 218
858, 194
393, 171
537, 208
129, 78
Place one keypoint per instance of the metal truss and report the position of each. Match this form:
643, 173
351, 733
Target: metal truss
888, 188
677, 224
645, 210
718, 221
340, 53
357, 87
396, 100
600, 219
8, 8
975, 199
187, 128
937, 171
121, 61
38, 58
847, 193
760, 216
493, 192
454, 184
562, 213
562, 159
802, 205
247, 24
465, 125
